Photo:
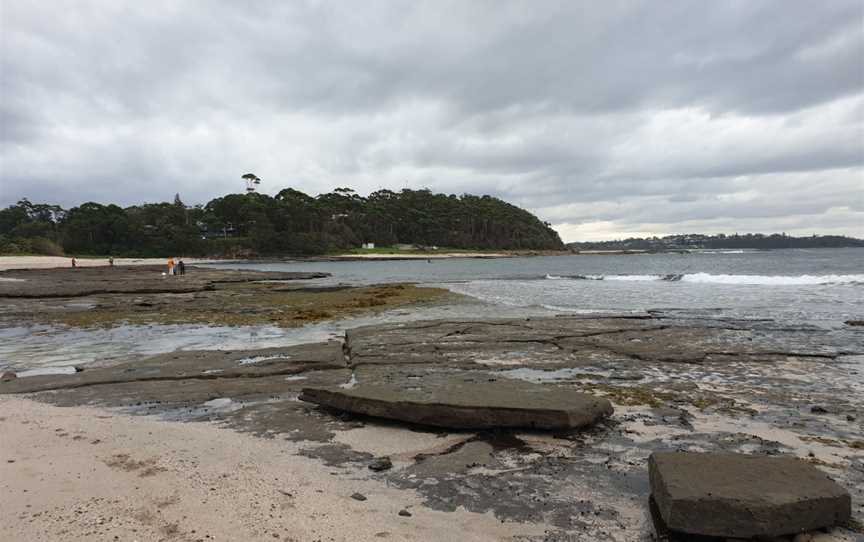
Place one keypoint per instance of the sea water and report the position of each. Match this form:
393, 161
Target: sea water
817, 286
822, 287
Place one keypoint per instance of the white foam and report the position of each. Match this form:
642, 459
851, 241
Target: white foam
772, 280
633, 277
708, 278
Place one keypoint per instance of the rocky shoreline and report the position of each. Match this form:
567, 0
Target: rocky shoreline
676, 382
107, 297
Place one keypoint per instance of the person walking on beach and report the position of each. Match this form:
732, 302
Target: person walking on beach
110, 261
74, 262
181, 267
170, 266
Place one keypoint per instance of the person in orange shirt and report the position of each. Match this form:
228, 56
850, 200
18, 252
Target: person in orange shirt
170, 266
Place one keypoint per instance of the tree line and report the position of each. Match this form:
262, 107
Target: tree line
289, 223
722, 241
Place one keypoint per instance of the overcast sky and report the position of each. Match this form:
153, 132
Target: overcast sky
607, 119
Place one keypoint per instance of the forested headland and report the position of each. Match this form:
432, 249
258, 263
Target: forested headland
290, 223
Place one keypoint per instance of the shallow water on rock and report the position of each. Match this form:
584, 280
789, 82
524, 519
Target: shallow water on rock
35, 346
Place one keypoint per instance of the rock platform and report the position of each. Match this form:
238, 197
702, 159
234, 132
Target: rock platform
676, 381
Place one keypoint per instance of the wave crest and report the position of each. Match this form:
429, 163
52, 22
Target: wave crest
708, 278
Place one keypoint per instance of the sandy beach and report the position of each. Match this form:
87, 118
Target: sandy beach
48, 262
88, 474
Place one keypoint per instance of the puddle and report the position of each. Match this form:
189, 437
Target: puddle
258, 359
351, 382
219, 403
67, 370
34, 346
540, 376
37, 346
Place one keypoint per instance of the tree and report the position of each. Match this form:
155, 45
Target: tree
252, 181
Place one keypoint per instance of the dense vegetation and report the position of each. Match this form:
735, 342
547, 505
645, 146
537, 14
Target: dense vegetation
721, 241
291, 223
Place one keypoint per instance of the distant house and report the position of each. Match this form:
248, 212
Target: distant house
368, 246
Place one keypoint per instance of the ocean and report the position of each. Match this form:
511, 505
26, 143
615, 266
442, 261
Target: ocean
820, 286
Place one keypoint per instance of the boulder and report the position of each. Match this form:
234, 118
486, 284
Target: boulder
743, 496
381, 464
460, 401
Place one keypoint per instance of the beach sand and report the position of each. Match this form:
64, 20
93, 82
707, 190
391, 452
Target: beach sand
83, 473
46, 262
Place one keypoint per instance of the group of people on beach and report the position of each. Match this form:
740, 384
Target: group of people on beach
176, 267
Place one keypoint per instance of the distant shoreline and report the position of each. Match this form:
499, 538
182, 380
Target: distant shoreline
443, 255
47, 262
44, 262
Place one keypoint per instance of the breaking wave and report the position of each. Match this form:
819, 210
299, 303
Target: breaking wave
708, 278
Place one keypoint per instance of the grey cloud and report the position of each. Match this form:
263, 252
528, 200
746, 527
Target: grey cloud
640, 113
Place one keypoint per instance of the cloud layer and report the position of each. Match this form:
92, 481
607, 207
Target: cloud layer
610, 120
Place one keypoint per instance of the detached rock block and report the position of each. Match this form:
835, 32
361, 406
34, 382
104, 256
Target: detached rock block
743, 496
460, 403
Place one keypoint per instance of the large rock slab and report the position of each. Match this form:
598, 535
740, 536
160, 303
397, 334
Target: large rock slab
573, 341
743, 496
464, 400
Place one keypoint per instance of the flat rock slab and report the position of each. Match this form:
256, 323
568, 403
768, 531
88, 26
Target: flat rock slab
465, 401
743, 496
132, 279
198, 365
572, 341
